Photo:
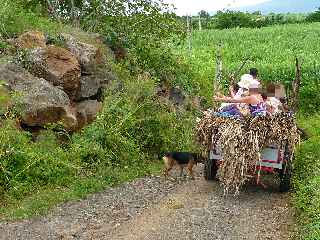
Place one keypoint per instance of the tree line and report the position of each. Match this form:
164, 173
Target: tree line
232, 19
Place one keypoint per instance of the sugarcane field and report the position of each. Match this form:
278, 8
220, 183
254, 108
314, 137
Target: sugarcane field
160, 119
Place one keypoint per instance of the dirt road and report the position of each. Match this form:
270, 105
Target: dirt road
154, 209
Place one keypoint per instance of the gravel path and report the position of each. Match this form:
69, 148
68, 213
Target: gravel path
154, 209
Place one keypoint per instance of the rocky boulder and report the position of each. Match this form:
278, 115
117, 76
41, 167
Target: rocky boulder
39, 101
86, 112
89, 56
58, 66
177, 96
32, 39
91, 86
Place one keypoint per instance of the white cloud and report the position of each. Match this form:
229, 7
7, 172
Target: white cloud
194, 6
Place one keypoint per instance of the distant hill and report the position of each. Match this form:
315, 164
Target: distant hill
283, 6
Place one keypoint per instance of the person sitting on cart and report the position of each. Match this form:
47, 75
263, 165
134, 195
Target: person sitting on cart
274, 94
254, 101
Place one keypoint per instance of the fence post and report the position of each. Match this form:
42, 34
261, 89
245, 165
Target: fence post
189, 35
218, 73
296, 87
200, 26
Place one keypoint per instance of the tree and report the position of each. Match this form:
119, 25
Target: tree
125, 19
231, 19
314, 17
203, 14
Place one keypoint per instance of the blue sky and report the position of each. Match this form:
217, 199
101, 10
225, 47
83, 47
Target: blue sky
194, 6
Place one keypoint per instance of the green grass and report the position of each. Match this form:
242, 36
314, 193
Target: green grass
41, 201
307, 180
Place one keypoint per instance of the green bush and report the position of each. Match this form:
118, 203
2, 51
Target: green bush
25, 165
15, 20
232, 19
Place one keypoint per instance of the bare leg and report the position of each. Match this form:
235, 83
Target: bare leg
190, 166
166, 171
181, 171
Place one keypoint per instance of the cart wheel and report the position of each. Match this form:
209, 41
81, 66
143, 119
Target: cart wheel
286, 173
210, 169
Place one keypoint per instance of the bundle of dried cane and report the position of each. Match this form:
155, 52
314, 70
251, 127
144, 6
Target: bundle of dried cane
241, 141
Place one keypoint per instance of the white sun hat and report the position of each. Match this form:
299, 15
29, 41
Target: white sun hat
254, 84
245, 81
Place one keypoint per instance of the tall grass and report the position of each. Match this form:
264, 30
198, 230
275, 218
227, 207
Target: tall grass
307, 180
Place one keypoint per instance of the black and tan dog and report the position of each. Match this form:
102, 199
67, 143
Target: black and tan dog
181, 159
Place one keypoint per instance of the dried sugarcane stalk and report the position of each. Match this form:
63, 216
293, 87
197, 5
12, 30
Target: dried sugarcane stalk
241, 141
233, 77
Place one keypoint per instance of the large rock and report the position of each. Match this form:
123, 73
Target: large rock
86, 112
32, 39
89, 56
91, 86
58, 66
177, 96
39, 101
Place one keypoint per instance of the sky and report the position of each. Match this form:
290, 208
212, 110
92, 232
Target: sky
185, 7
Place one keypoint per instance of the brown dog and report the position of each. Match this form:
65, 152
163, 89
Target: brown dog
181, 159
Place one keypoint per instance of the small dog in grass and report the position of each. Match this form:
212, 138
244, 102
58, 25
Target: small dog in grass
181, 159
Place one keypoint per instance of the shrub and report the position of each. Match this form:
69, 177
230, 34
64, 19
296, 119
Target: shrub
232, 19
25, 165
15, 20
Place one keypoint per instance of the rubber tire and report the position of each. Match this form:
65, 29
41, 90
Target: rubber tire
210, 170
286, 173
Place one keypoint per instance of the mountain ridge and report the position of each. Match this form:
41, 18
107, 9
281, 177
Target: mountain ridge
283, 6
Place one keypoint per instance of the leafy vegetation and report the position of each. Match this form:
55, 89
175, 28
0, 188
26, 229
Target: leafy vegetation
236, 19
314, 17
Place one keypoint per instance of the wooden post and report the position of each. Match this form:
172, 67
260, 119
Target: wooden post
200, 26
233, 76
75, 21
296, 87
218, 73
52, 11
189, 35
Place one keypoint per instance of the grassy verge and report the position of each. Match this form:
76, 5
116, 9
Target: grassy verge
41, 201
307, 181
